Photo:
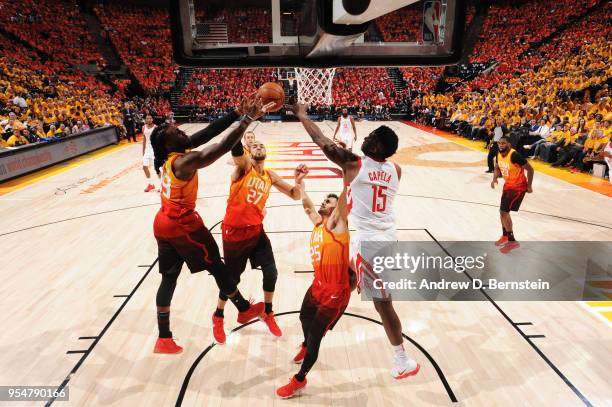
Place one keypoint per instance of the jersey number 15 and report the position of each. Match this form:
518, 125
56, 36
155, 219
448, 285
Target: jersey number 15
379, 198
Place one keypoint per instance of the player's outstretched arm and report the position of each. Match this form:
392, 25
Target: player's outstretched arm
308, 206
293, 192
344, 158
187, 165
339, 218
217, 127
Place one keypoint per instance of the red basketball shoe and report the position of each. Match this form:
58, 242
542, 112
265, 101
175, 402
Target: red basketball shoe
293, 388
502, 241
254, 311
508, 247
218, 331
299, 358
167, 345
272, 325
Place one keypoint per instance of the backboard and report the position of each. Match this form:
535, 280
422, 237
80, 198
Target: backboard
316, 33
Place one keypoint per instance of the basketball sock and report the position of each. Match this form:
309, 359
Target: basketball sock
268, 307
299, 376
163, 323
240, 303
505, 231
219, 313
511, 236
398, 351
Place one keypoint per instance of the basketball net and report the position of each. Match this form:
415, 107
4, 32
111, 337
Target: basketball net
315, 85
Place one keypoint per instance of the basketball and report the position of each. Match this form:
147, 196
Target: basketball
421, 186
272, 92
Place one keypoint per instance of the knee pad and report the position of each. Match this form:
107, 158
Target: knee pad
166, 290
270, 275
224, 281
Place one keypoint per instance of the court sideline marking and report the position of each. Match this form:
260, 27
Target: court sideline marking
59, 168
185, 385
87, 352
584, 181
586, 222
528, 338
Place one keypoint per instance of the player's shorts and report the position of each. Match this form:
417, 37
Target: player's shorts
148, 160
246, 243
184, 239
362, 248
511, 199
323, 305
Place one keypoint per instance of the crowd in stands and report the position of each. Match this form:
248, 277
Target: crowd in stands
223, 88
511, 28
560, 113
142, 37
56, 28
38, 103
403, 25
212, 91
245, 25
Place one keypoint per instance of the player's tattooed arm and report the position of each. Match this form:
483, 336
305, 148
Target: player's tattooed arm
190, 163
214, 129
187, 165
344, 158
218, 126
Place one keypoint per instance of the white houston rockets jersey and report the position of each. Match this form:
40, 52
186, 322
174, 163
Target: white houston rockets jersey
147, 131
371, 195
345, 125
346, 131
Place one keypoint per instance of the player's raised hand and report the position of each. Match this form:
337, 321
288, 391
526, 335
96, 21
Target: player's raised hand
254, 107
298, 109
300, 172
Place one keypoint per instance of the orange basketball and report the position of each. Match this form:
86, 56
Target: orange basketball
272, 92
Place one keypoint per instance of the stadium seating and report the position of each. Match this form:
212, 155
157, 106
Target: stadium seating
142, 38
56, 28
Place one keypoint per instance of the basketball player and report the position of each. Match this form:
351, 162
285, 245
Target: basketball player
372, 183
180, 233
248, 139
512, 166
147, 150
242, 230
345, 122
329, 294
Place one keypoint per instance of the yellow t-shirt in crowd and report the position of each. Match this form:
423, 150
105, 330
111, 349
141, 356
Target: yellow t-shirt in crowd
17, 140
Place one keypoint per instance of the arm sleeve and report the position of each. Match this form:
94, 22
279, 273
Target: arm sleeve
214, 129
518, 159
237, 150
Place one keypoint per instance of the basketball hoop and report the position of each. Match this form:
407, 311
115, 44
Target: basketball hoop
315, 85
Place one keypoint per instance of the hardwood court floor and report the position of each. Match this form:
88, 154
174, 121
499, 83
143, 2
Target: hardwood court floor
79, 275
